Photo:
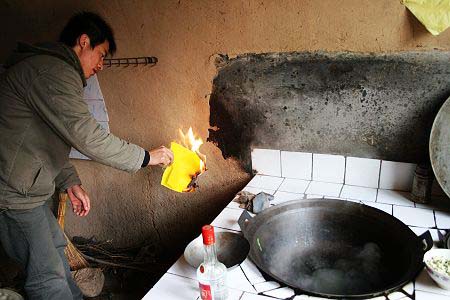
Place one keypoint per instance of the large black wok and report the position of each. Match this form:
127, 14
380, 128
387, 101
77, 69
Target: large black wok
334, 248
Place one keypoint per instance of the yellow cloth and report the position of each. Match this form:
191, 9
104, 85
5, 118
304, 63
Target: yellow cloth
185, 165
433, 14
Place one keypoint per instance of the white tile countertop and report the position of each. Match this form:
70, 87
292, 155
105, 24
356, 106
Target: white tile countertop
245, 282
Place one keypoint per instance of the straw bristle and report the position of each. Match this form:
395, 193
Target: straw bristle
74, 256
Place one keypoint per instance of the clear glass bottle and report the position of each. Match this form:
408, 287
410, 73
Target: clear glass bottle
211, 274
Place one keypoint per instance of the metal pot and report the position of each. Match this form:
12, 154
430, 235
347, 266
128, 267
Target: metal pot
334, 248
232, 249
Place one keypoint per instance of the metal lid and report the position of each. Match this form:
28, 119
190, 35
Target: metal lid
440, 147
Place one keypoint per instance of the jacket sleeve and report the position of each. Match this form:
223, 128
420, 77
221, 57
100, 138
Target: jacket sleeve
67, 178
57, 96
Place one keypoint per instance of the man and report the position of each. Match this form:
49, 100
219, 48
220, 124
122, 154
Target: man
43, 114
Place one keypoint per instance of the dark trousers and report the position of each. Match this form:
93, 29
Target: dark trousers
34, 239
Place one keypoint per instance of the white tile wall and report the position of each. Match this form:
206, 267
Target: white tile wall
359, 193
169, 287
92, 89
252, 272
98, 109
234, 205
381, 206
232, 294
396, 175
429, 296
442, 219
314, 196
236, 280
414, 216
394, 197
397, 296
355, 171
409, 288
228, 219
247, 296
281, 197
362, 172
296, 165
183, 268
328, 168
266, 162
324, 188
281, 293
266, 286
255, 191
265, 182
294, 185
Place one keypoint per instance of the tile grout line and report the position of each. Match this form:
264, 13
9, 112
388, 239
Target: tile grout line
304, 193
248, 280
434, 215
379, 175
281, 167
340, 191
345, 168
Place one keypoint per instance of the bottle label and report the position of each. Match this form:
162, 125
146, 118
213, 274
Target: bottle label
205, 292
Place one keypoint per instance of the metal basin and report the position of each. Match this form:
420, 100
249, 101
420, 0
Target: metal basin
232, 249
440, 147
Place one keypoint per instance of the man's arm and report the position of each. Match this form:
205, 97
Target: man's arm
56, 95
67, 178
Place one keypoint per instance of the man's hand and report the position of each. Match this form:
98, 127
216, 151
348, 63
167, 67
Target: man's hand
160, 156
81, 204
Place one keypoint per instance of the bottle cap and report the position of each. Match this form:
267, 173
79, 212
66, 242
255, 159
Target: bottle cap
208, 235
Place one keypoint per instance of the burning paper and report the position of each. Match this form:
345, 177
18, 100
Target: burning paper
187, 165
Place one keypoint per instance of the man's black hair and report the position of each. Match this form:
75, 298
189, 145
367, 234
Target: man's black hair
92, 25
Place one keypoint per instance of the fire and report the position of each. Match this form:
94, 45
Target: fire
190, 141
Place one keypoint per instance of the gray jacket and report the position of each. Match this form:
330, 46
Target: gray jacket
43, 114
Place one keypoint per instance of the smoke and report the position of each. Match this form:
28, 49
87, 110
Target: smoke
358, 273
355, 270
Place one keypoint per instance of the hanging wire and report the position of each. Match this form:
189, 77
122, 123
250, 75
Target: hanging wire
131, 61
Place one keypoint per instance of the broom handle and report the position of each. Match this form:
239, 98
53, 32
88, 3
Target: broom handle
62, 208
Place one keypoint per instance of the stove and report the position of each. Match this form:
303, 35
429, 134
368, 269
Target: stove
384, 185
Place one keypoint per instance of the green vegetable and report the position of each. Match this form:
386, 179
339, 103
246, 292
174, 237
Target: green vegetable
440, 265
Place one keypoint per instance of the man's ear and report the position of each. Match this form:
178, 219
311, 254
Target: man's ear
84, 41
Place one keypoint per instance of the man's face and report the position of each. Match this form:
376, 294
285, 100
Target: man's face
92, 59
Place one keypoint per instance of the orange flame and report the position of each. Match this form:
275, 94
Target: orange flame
189, 141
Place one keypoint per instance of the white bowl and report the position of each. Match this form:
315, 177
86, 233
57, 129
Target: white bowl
439, 277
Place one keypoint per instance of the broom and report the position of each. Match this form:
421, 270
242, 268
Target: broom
74, 256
